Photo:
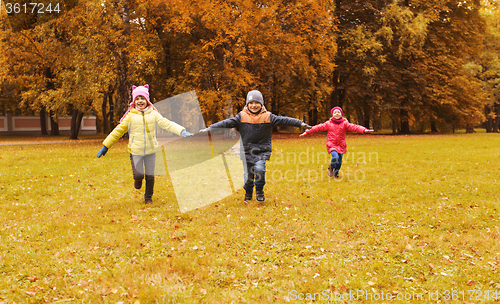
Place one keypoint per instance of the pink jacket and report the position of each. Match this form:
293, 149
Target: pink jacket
335, 138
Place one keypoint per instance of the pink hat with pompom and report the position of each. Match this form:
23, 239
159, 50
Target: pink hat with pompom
138, 91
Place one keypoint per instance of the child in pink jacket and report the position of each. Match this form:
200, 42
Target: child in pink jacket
337, 128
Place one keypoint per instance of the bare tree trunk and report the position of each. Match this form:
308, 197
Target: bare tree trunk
489, 119
469, 129
433, 126
405, 124
111, 112
359, 115
313, 116
76, 121
366, 121
98, 124
496, 124
54, 127
43, 121
105, 128
49, 85
377, 124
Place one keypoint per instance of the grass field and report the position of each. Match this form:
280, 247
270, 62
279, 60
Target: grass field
411, 216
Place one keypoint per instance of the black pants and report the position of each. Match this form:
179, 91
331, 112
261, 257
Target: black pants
144, 166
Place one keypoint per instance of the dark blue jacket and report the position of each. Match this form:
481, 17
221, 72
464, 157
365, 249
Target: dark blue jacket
256, 131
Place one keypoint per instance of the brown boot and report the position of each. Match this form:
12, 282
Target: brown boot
330, 171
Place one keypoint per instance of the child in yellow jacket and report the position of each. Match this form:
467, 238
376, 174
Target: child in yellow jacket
140, 121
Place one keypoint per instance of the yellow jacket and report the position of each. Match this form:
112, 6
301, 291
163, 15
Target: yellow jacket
142, 131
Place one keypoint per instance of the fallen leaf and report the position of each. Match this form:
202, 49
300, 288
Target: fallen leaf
31, 292
203, 291
470, 283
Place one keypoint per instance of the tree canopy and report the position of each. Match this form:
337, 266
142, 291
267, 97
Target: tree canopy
419, 64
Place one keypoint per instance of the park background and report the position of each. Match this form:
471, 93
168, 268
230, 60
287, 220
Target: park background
407, 66
410, 215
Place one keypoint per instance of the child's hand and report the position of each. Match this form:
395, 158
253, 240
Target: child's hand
303, 134
368, 131
102, 152
185, 134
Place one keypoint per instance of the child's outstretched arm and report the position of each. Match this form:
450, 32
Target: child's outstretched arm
316, 128
232, 122
171, 126
287, 121
114, 136
357, 128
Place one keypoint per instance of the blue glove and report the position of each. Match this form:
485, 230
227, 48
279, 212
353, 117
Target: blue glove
102, 152
185, 134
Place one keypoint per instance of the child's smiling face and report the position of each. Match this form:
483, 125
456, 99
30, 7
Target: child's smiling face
140, 102
337, 114
254, 106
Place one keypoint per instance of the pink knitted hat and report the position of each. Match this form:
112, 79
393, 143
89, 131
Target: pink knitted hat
139, 91
339, 108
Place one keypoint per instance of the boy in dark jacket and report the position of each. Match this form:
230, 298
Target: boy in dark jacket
255, 125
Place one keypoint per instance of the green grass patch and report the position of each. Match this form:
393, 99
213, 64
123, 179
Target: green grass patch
410, 214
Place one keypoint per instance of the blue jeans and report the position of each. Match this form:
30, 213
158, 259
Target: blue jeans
255, 174
336, 162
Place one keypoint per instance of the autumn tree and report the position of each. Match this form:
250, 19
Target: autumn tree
222, 49
408, 59
32, 50
487, 66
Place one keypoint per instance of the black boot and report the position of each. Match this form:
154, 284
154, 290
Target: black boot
260, 195
138, 183
248, 196
150, 184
